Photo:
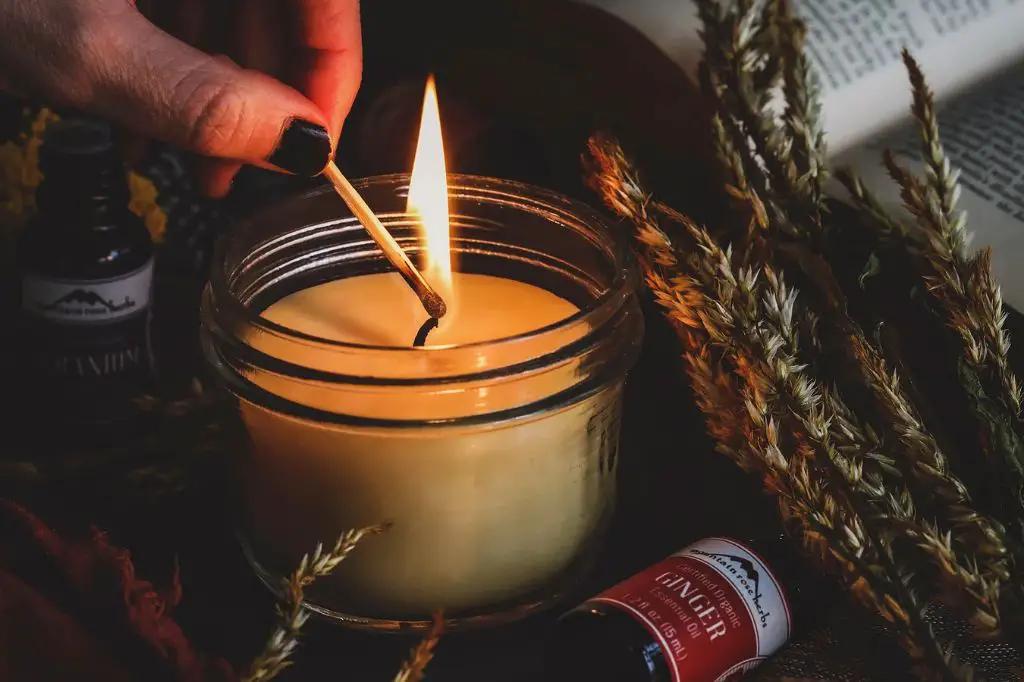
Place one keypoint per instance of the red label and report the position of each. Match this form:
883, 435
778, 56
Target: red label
715, 609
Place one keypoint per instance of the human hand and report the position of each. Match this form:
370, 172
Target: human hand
140, 65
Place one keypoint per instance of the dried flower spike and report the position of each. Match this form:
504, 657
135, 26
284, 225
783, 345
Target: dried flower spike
865, 484
291, 614
962, 285
711, 300
413, 668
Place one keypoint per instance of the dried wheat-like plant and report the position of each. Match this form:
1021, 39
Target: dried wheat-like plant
413, 668
981, 536
968, 302
721, 312
864, 483
966, 294
292, 616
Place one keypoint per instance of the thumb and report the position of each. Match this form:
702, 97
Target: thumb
161, 87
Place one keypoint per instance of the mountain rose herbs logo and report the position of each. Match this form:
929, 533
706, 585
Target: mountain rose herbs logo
85, 302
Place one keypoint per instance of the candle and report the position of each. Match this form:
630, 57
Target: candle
481, 514
491, 451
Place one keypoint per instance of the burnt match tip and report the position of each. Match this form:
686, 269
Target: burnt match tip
434, 305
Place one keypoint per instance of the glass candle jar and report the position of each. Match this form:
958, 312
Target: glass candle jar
492, 460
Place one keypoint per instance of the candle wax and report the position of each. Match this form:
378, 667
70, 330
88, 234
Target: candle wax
381, 310
481, 513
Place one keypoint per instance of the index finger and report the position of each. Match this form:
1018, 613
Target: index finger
330, 32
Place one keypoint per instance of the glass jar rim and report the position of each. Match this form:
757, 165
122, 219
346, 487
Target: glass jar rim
527, 196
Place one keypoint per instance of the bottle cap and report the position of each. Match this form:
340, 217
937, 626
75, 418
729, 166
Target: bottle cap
79, 136
77, 145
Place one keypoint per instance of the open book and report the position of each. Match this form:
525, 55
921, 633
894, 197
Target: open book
972, 54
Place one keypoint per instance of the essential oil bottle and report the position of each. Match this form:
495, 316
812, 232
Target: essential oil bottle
86, 272
709, 613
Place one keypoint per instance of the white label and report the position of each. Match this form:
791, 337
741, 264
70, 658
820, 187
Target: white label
761, 593
88, 301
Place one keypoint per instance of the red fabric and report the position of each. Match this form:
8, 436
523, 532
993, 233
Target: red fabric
74, 609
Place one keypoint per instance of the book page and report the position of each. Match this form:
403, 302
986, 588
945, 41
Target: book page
854, 46
983, 135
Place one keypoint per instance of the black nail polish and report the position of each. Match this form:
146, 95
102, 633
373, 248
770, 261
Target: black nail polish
304, 149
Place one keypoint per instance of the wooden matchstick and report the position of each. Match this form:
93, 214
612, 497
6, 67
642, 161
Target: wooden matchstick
430, 299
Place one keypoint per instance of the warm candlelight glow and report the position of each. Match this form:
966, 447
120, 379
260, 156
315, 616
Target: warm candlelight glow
428, 195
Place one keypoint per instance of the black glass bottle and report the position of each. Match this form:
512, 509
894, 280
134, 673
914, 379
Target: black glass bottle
709, 613
86, 266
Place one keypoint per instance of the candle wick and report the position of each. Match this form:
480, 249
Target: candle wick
421, 335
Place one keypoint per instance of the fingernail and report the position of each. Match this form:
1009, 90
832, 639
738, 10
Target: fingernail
304, 149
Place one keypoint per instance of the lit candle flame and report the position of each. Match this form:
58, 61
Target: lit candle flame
428, 195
